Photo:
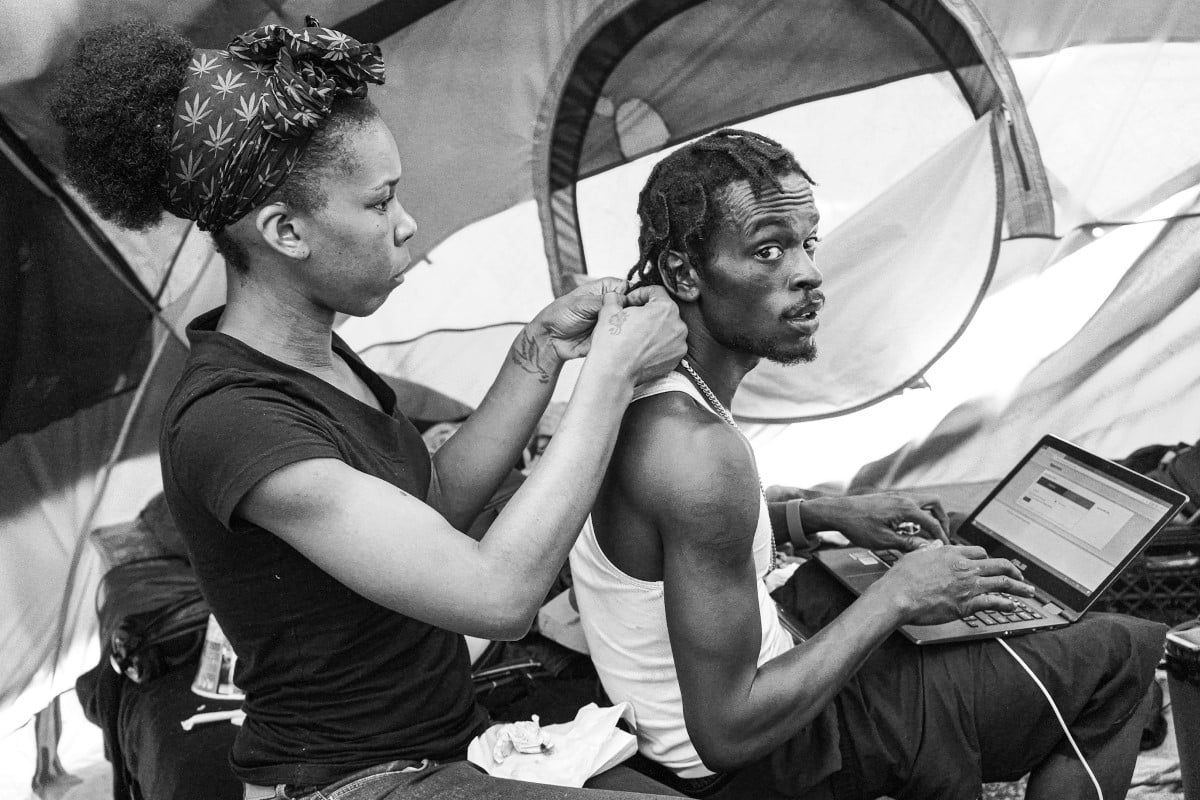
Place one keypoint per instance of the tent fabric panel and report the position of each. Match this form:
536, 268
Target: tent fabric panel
382, 19
1116, 124
1035, 27
469, 159
72, 332
1169, 272
786, 54
1128, 378
43, 181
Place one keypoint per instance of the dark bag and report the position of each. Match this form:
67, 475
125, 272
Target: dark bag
1177, 466
1183, 472
152, 617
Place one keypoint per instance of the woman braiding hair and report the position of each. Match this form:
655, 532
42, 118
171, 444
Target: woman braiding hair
153, 124
326, 539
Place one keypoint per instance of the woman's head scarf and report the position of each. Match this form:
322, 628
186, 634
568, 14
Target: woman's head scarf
245, 114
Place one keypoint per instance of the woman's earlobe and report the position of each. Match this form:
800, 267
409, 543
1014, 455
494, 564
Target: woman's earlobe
278, 229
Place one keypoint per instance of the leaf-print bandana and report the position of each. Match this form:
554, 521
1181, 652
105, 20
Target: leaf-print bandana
245, 114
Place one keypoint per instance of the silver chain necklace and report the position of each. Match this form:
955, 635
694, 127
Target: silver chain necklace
724, 414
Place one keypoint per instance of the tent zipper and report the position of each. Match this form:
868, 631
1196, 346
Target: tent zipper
1016, 145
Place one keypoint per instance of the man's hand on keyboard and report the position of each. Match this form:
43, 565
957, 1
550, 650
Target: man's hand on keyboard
880, 521
940, 584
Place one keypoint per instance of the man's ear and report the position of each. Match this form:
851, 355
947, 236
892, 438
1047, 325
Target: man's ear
678, 275
280, 229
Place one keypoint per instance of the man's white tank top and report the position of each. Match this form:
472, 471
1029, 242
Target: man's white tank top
625, 624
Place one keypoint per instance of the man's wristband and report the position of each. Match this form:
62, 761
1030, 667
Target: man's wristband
801, 543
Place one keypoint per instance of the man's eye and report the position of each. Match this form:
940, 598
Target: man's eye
383, 204
810, 244
770, 252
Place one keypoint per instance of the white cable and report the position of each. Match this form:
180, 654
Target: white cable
1087, 767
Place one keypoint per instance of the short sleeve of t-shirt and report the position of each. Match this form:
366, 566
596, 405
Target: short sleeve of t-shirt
235, 437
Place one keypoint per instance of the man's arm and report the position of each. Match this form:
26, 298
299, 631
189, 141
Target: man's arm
394, 549
706, 511
867, 520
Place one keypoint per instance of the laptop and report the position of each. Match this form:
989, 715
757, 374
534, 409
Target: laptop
1070, 520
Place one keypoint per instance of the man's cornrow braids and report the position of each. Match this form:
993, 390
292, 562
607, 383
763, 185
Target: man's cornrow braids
677, 208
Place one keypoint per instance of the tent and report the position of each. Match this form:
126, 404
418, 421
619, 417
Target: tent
1008, 193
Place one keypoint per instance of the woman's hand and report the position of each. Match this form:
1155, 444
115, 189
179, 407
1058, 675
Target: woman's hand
639, 334
563, 329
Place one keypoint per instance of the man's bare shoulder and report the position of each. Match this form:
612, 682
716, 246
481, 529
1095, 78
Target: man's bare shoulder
679, 464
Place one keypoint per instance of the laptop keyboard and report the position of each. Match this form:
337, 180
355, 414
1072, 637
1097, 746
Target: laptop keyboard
979, 619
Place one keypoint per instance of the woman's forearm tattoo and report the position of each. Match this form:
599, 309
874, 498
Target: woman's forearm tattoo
527, 354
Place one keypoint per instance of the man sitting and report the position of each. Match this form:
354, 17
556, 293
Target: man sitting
670, 575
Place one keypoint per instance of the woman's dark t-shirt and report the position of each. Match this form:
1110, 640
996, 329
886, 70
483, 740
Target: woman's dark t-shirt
334, 682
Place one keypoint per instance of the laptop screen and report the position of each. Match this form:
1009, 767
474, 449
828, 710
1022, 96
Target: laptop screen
1071, 516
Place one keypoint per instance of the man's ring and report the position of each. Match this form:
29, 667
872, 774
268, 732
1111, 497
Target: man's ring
907, 528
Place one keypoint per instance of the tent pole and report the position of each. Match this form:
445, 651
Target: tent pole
166, 278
